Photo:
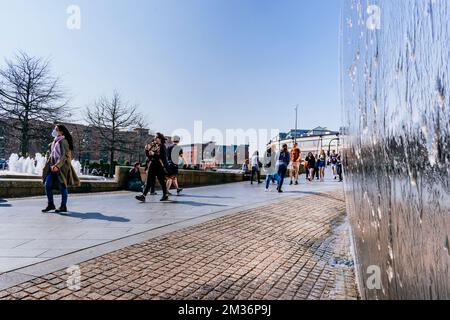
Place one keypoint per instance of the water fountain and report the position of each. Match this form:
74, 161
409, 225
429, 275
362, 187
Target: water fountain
33, 167
395, 72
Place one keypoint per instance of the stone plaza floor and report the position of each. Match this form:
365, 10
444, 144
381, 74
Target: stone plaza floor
231, 241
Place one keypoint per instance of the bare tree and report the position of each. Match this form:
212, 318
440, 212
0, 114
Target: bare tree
30, 97
111, 117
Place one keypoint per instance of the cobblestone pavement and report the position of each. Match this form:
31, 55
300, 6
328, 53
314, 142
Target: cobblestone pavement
295, 249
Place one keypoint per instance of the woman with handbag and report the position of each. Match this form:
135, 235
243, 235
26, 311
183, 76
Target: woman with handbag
158, 167
58, 171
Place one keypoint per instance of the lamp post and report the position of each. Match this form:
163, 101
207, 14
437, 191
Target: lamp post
296, 123
329, 145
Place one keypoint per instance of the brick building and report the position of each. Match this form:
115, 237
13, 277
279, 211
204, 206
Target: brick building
88, 142
211, 154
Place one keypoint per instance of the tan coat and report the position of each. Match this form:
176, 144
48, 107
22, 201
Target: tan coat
66, 173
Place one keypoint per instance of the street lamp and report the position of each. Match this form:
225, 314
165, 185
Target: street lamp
329, 145
296, 123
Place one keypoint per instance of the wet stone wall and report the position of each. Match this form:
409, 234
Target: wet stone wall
396, 107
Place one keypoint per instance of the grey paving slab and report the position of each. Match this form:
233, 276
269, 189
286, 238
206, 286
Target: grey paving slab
99, 223
21, 253
8, 263
9, 243
57, 244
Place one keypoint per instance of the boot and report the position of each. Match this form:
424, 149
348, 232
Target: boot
50, 207
179, 190
61, 209
165, 197
140, 198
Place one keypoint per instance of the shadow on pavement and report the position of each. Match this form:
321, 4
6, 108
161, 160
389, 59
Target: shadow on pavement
95, 216
197, 204
4, 203
204, 197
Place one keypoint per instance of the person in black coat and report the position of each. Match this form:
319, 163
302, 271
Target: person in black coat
311, 160
134, 178
158, 167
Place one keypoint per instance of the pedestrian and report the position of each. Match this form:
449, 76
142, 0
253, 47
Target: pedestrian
175, 156
283, 160
270, 168
256, 170
305, 165
322, 165
158, 167
339, 168
333, 162
316, 167
245, 167
311, 161
134, 178
148, 148
58, 171
296, 158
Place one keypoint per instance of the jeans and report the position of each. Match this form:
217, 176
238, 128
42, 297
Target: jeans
270, 178
49, 180
135, 185
255, 170
339, 171
282, 169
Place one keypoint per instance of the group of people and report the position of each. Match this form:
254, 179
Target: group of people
315, 166
162, 163
276, 164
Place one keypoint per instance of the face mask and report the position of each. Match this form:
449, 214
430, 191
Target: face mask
54, 133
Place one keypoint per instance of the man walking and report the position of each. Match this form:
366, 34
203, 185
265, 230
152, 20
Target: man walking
296, 157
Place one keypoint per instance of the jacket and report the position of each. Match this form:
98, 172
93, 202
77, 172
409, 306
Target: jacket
66, 174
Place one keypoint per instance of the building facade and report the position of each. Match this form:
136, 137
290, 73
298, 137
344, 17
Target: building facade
211, 155
308, 140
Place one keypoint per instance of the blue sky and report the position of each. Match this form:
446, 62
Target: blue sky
230, 63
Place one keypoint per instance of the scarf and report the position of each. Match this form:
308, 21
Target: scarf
55, 153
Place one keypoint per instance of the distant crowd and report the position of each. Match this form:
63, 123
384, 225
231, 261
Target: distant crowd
275, 166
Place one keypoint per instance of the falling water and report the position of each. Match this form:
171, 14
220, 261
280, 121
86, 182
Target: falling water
396, 105
34, 166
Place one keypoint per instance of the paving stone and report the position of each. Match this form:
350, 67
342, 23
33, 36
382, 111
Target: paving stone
247, 255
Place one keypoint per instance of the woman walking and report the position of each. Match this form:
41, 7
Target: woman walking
311, 160
158, 167
322, 165
58, 171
